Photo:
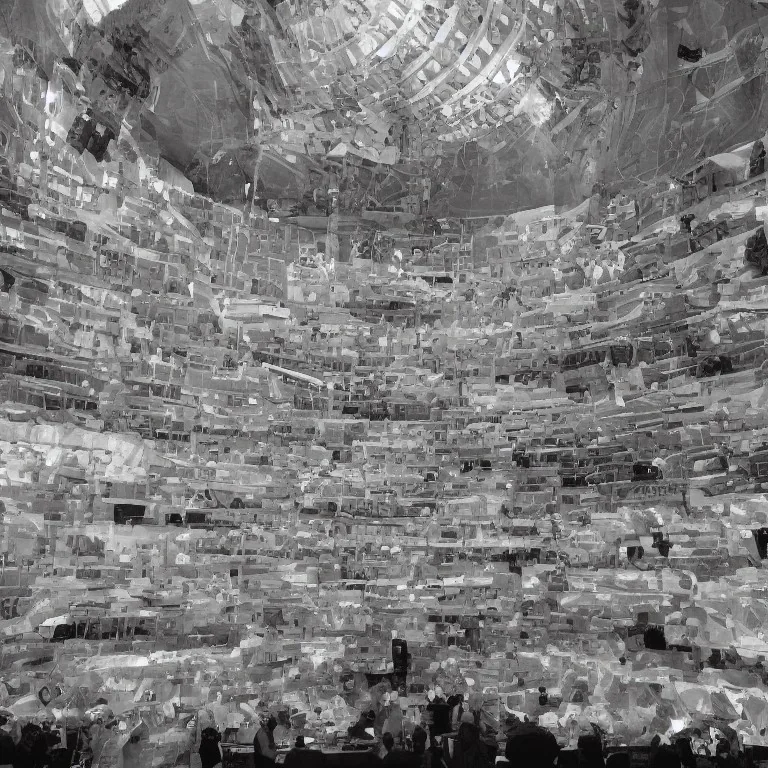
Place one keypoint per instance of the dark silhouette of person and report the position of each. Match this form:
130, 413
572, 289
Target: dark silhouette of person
395, 758
685, 752
27, 753
400, 758
468, 749
723, 756
388, 742
42, 745
423, 758
530, 746
434, 753
441, 716
590, 752
210, 747
7, 745
264, 750
51, 738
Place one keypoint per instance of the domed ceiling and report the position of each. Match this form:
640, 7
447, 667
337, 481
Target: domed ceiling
451, 107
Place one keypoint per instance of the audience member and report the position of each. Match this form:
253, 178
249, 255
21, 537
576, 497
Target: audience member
7, 746
590, 752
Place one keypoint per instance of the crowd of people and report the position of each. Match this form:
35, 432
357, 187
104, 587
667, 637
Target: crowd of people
39, 745
527, 746
46, 742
